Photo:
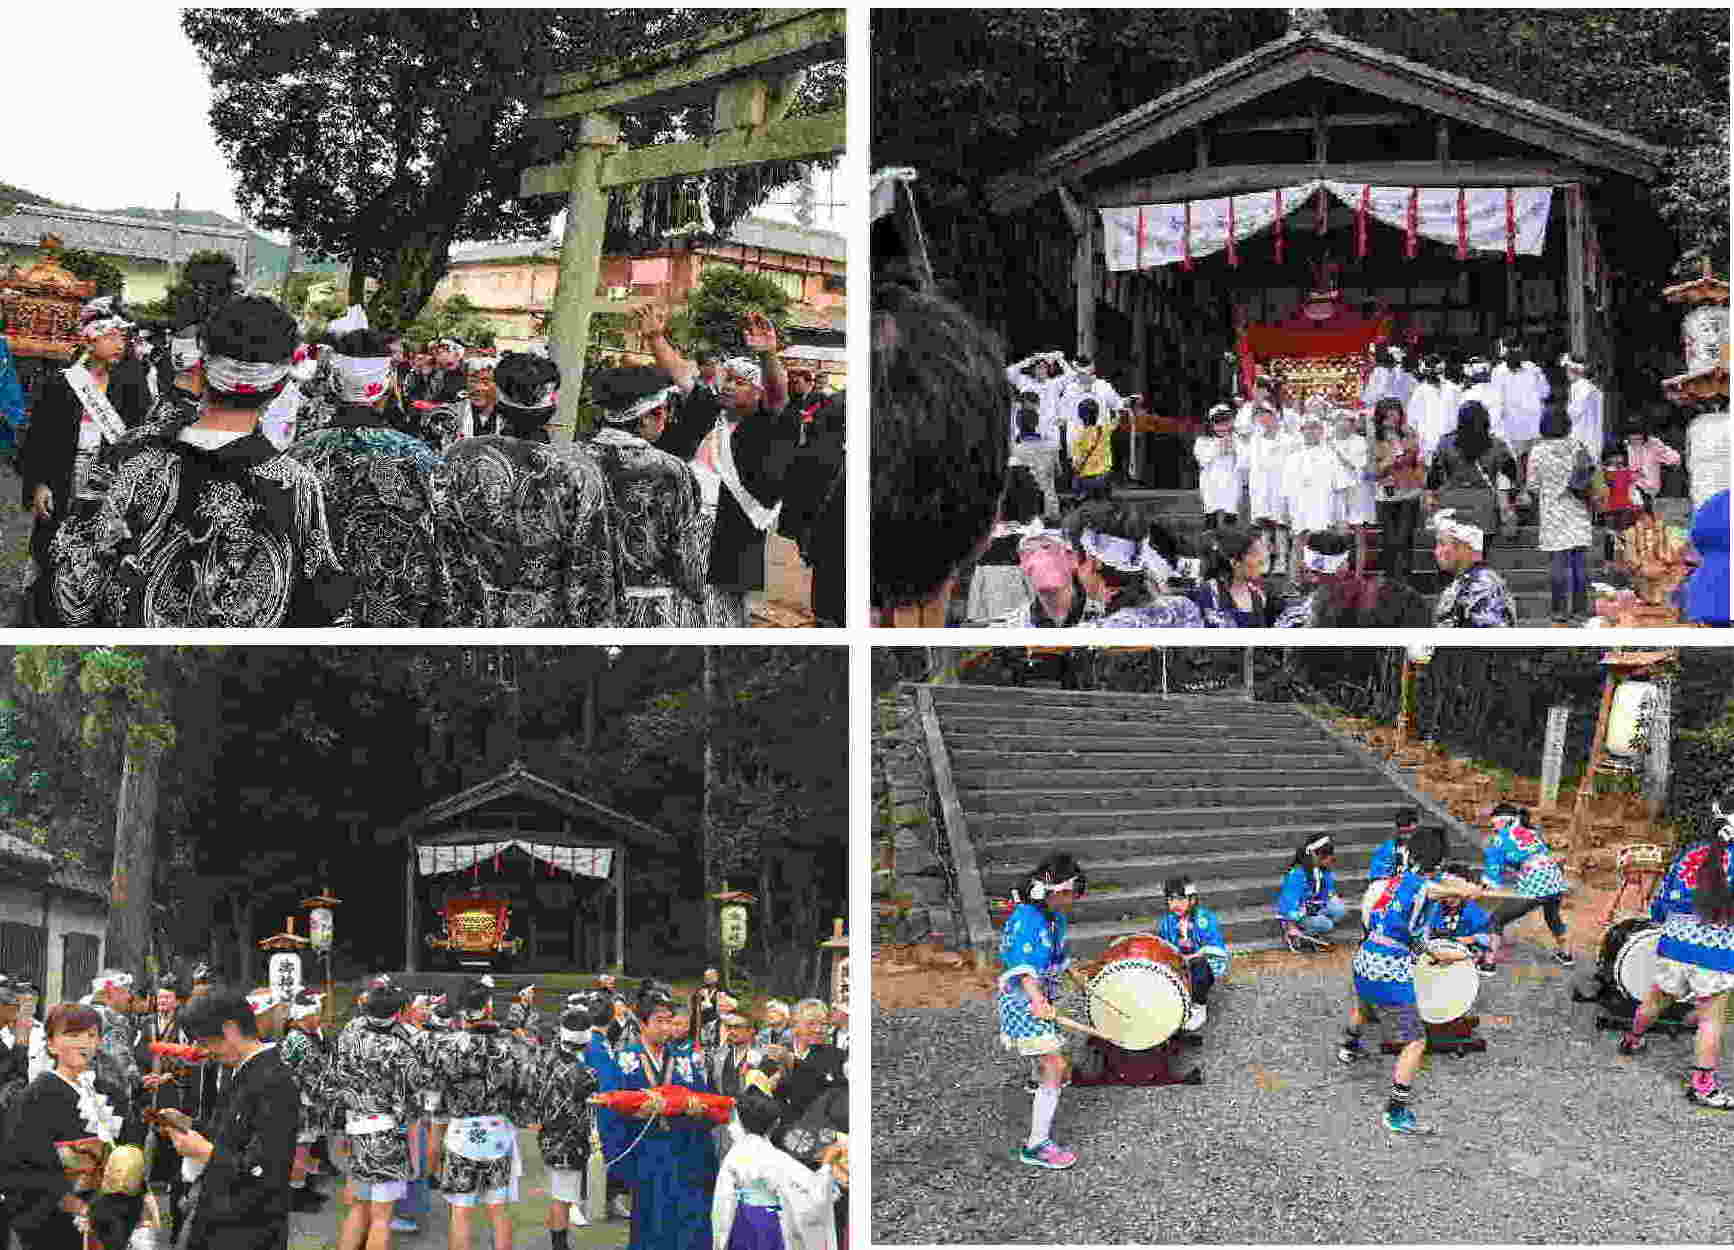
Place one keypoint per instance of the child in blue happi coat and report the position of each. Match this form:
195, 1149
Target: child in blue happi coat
1404, 918
1517, 859
1033, 954
1308, 905
1197, 934
1466, 921
1388, 860
1695, 958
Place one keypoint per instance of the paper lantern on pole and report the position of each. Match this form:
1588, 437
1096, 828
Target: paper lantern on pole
1626, 721
285, 975
734, 926
319, 919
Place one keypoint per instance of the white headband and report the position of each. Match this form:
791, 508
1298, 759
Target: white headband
300, 1011
1155, 563
1116, 553
546, 397
1318, 842
360, 379
103, 325
119, 980
243, 377
650, 403
1041, 889
573, 1037
1036, 532
745, 368
476, 363
1458, 531
1568, 361
1319, 562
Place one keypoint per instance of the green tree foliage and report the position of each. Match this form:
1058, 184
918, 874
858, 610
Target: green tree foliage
381, 136
91, 267
714, 308
454, 316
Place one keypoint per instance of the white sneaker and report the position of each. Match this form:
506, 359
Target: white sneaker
575, 1213
1195, 1018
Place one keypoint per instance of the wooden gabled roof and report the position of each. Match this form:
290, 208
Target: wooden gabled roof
519, 782
1317, 53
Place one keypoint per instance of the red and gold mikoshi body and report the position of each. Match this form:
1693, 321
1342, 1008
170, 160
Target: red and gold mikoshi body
476, 927
666, 1100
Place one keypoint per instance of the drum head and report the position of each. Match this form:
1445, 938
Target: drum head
1635, 964
1443, 992
1136, 1003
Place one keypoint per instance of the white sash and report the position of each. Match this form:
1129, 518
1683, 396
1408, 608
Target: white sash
102, 413
764, 519
481, 1137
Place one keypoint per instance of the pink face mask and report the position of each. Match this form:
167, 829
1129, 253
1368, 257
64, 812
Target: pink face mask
1048, 567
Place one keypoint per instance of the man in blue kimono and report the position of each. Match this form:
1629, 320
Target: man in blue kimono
667, 1161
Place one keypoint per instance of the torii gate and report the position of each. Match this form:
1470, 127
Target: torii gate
754, 74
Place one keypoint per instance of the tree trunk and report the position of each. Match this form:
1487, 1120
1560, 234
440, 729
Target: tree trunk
243, 905
713, 851
357, 281
131, 886
409, 276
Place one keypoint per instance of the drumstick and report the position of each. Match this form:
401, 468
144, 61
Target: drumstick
1066, 1022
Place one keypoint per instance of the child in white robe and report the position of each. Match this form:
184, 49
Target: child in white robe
1266, 452
1218, 472
1352, 502
765, 1198
1311, 476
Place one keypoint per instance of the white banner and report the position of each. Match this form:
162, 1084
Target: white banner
587, 861
1147, 236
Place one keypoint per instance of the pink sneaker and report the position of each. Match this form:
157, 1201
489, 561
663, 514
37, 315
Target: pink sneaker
1048, 1155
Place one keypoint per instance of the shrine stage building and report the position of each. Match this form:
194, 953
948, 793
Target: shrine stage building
555, 862
1317, 195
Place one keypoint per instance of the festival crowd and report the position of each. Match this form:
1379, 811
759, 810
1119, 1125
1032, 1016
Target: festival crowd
415, 1094
236, 475
1299, 491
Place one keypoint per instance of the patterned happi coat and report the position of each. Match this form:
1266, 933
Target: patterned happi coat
562, 1084
473, 1072
375, 1072
174, 536
114, 1063
673, 1169
663, 548
304, 1055
526, 535
379, 501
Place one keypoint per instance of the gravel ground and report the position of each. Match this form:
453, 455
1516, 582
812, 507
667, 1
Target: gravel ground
1548, 1136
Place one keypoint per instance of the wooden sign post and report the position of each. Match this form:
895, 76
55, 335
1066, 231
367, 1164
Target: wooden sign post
752, 70
1553, 754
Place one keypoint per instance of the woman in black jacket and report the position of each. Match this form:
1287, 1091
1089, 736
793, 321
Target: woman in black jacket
61, 1105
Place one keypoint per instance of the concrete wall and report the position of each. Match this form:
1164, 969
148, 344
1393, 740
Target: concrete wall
66, 913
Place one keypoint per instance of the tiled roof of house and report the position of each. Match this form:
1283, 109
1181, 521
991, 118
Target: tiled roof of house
141, 238
70, 877
773, 236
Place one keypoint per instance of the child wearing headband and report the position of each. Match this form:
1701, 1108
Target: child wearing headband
1308, 906
1695, 958
1196, 933
1516, 858
1033, 953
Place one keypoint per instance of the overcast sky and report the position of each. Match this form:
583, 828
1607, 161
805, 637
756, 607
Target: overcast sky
127, 127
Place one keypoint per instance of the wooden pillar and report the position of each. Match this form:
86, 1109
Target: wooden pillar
620, 908
1140, 359
1084, 285
1576, 263
1586, 785
580, 261
410, 963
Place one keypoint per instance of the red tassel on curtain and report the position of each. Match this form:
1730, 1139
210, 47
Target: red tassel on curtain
1462, 224
1186, 239
1361, 215
1510, 226
496, 861
1138, 261
1233, 252
1278, 194
1412, 233
1324, 216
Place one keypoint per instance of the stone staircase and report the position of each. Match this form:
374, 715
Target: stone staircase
1144, 787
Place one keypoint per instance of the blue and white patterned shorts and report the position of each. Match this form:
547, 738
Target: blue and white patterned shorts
1020, 1031
1543, 880
1385, 977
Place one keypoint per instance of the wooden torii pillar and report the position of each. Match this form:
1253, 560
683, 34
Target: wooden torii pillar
752, 73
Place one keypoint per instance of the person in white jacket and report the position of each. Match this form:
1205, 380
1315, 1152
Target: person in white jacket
1523, 390
1353, 501
1218, 469
1583, 405
1266, 453
1388, 379
1311, 476
1432, 409
764, 1195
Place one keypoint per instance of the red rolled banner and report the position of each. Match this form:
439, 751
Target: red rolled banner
1462, 224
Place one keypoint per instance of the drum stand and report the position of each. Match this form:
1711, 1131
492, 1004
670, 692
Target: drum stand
1617, 1010
1456, 1037
1104, 1063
